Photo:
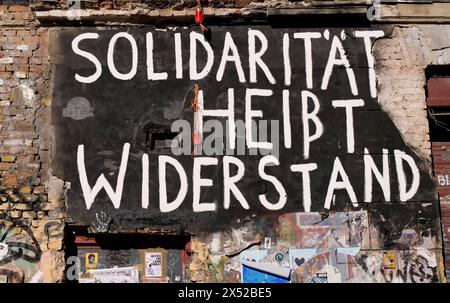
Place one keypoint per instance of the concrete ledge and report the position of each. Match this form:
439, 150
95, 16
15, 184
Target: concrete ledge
388, 13
140, 16
317, 11
414, 13
132, 16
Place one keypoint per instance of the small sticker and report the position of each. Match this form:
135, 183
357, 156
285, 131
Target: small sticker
91, 261
78, 108
389, 260
153, 264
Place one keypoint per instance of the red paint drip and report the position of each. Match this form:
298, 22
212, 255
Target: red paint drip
198, 14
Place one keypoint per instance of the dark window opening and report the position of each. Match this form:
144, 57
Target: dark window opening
160, 137
438, 102
439, 122
438, 109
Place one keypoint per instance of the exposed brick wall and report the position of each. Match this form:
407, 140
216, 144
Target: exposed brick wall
15, 15
30, 199
401, 60
400, 64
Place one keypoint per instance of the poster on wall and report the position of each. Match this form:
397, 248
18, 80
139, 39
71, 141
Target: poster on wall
91, 260
153, 264
113, 275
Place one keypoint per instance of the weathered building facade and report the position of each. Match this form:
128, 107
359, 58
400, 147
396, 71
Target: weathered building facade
343, 186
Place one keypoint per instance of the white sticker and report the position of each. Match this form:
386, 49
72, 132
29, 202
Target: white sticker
153, 264
3, 250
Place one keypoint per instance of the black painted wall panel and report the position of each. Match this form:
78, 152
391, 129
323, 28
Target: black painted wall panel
121, 109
